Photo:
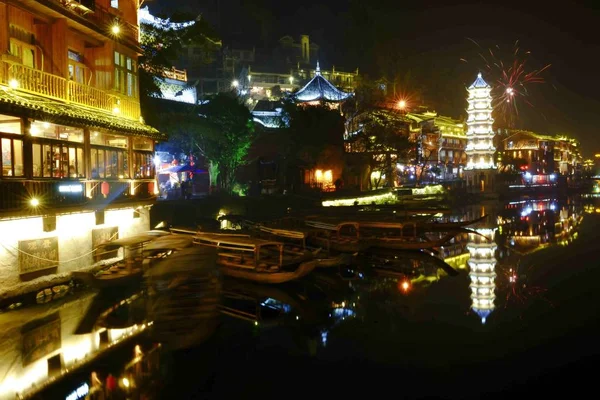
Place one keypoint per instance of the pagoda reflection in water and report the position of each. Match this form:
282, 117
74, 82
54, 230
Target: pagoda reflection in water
482, 264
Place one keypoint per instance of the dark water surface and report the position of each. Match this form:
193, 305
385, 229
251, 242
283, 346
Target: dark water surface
520, 319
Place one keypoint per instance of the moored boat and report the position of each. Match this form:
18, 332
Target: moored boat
301, 236
257, 260
138, 253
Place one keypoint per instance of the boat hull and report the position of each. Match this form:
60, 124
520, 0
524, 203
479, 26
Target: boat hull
269, 277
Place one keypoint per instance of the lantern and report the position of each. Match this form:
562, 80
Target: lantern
105, 189
151, 188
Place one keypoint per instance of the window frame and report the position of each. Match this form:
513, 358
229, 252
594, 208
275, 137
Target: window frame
58, 172
12, 137
123, 162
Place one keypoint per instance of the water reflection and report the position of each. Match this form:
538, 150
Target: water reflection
40, 345
390, 307
482, 266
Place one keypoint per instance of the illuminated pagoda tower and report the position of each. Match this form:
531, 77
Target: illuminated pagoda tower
319, 89
480, 170
482, 263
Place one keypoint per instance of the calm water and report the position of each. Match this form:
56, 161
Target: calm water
520, 317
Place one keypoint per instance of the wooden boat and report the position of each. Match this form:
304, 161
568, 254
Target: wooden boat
359, 236
138, 254
164, 246
301, 236
392, 261
258, 260
446, 226
343, 237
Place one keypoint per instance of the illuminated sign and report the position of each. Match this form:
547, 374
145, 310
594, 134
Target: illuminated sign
70, 188
79, 393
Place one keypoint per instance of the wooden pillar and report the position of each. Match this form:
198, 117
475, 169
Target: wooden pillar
87, 153
27, 149
59, 48
4, 35
130, 160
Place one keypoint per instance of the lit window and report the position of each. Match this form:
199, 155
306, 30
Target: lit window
114, 3
11, 157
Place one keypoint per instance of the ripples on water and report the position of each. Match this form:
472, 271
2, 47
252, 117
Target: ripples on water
523, 301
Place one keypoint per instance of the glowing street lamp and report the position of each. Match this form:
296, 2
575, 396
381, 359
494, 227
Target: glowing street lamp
115, 29
235, 83
402, 105
34, 202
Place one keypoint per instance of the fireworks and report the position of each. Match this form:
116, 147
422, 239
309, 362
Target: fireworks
510, 80
513, 280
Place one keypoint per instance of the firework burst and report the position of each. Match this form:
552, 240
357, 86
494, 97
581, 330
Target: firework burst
510, 79
512, 281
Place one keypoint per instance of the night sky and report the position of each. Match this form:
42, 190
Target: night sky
429, 39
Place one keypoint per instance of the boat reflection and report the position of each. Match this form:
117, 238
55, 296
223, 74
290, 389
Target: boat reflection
389, 297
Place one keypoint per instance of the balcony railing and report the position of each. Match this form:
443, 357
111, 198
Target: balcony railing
17, 194
178, 75
23, 78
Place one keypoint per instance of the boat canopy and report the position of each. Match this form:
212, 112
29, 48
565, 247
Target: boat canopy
131, 241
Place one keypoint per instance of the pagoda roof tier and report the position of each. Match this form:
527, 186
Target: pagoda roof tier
319, 88
44, 109
479, 83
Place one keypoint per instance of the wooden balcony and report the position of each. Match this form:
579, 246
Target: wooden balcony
22, 78
178, 75
16, 195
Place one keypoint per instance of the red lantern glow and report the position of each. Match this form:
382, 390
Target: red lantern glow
105, 188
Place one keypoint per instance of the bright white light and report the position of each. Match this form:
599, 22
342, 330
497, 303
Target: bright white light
70, 188
34, 202
116, 110
527, 175
13, 83
235, 83
115, 29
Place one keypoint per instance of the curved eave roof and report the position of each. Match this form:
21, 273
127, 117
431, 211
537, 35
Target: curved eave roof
320, 88
44, 109
479, 83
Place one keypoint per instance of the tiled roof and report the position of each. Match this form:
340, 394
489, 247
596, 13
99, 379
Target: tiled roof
479, 83
320, 88
44, 109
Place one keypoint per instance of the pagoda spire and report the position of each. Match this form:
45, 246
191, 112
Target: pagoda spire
318, 70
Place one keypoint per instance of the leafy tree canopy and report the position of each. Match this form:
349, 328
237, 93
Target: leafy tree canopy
313, 129
161, 46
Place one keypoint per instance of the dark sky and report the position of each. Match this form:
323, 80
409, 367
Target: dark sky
429, 38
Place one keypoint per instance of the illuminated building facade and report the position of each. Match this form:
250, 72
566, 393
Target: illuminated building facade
482, 264
442, 143
77, 159
480, 170
527, 226
42, 349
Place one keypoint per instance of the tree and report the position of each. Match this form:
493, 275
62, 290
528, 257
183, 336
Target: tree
314, 136
385, 137
220, 131
227, 136
161, 45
